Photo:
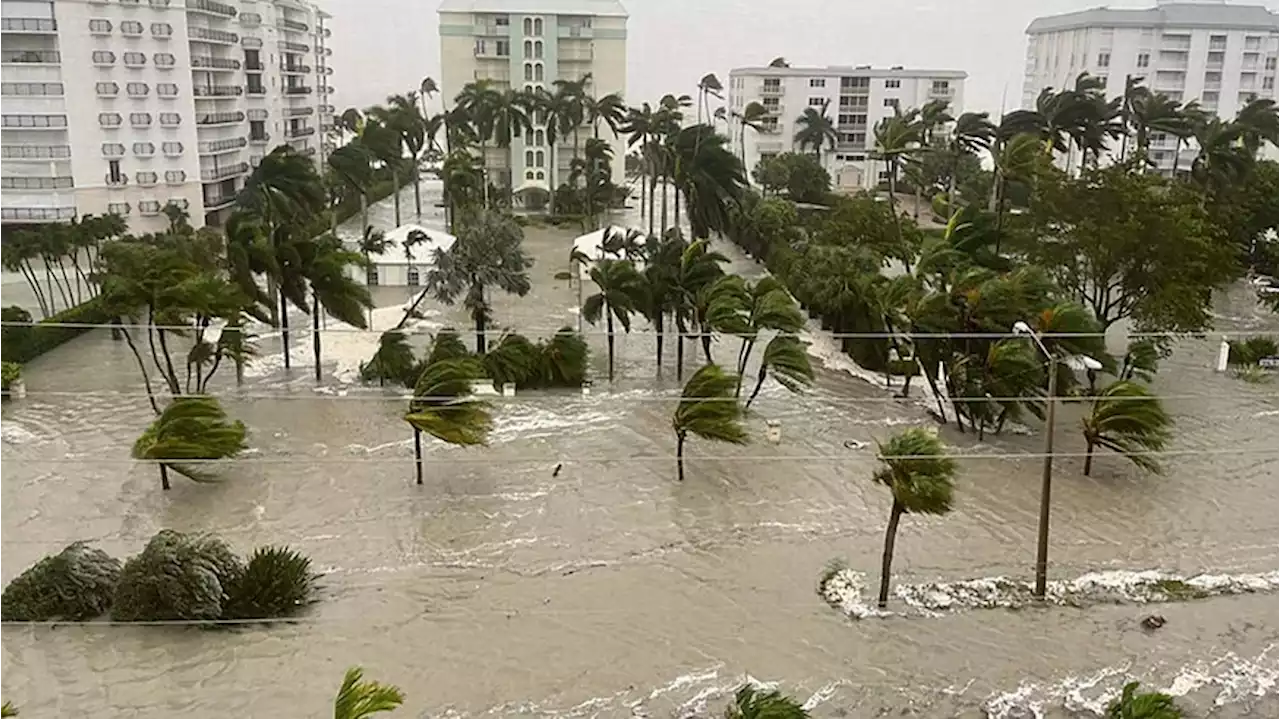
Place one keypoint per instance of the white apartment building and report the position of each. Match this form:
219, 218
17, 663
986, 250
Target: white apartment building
530, 44
855, 98
1219, 54
124, 106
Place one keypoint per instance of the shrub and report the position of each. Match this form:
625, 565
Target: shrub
10, 372
1133, 704
22, 347
276, 582
1251, 349
393, 361
512, 359
563, 360
176, 577
75, 584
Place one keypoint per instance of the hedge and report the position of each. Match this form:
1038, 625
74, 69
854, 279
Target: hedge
23, 344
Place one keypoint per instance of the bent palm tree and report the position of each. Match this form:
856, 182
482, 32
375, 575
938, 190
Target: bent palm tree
621, 293
1125, 417
815, 130
920, 476
442, 406
359, 699
784, 357
752, 703
190, 428
1133, 704
708, 410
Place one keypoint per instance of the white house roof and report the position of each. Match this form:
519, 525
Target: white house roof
422, 253
589, 244
602, 8
1216, 15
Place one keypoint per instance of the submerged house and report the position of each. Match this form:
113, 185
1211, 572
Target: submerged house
411, 251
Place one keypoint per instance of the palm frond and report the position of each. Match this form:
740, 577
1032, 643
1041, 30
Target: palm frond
359, 699
707, 407
917, 471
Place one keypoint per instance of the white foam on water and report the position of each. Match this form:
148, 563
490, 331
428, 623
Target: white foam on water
844, 591
17, 434
531, 421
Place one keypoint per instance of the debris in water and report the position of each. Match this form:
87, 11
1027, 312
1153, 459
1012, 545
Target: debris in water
556, 471
854, 444
1153, 621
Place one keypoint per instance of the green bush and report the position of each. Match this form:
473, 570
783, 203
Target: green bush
1133, 704
276, 582
176, 577
10, 372
74, 585
563, 360
1251, 349
22, 347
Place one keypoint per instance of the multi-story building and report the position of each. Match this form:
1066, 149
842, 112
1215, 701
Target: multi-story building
855, 98
1218, 54
530, 44
125, 106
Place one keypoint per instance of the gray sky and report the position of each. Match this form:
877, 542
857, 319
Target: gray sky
386, 46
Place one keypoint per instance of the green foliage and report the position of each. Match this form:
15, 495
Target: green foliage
446, 346
75, 584
191, 428
276, 582
8, 710
1248, 351
563, 360
1133, 704
513, 359
752, 703
359, 699
1141, 360
708, 409
10, 372
917, 471
1126, 417
23, 344
176, 577
801, 176
393, 361
442, 405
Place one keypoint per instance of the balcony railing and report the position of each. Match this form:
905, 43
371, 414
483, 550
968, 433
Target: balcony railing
219, 201
255, 65
943, 92
257, 90
262, 139
293, 25
771, 89
219, 173
301, 132
117, 181
217, 91
298, 111
216, 63
296, 69
35, 152
300, 90
211, 7
39, 57
204, 33
293, 46
219, 118
216, 146
29, 24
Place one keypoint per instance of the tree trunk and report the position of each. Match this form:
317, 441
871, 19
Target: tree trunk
675, 191
164, 477
315, 330
609, 337
744, 354
642, 183
893, 200
364, 212
34, 281
680, 455
417, 453
1177, 150
480, 332
142, 365
417, 190
951, 194
1088, 458
395, 194
659, 334
170, 373
756, 391
886, 561
284, 328
236, 325
679, 349
551, 176
705, 336
664, 204
653, 191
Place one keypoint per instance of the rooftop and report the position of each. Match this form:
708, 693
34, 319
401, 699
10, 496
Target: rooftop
1168, 15
423, 253
848, 71
603, 8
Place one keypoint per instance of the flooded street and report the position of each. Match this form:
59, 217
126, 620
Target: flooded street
498, 589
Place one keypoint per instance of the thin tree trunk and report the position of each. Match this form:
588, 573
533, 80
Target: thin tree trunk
395, 194
480, 331
66, 280
676, 210
284, 328
1088, 458
744, 355
642, 184
417, 453
653, 191
659, 325
1177, 150
679, 349
30, 273
951, 194
705, 336
164, 477
171, 373
142, 366
609, 338
756, 391
315, 330
364, 212
417, 190
886, 561
664, 204
680, 435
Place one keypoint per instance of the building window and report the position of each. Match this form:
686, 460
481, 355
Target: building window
1217, 42
413, 279
817, 101
175, 177
528, 48
1144, 59
47, 89
112, 149
855, 83
161, 29
892, 84
144, 149
528, 174
118, 208
537, 27
1253, 42
140, 119
480, 47
167, 89
371, 276
172, 148
541, 159
1268, 83
131, 27
817, 82
149, 207
170, 119
528, 72
1270, 64
135, 59
528, 158
137, 89
537, 72
100, 27
891, 102
1104, 59
103, 57
537, 50
147, 178
542, 175
164, 59
110, 119
539, 137
503, 48
114, 175
528, 26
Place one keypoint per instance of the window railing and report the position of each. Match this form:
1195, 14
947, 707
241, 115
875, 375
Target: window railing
217, 91
292, 25
211, 7
217, 63
298, 111
28, 24
209, 148
219, 118
35, 152
56, 122
204, 33
285, 67
301, 132
218, 173
42, 57
293, 46
298, 90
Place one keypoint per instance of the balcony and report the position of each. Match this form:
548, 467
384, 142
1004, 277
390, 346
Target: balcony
576, 55
219, 146
945, 93
326, 71
574, 31
29, 25
294, 69
117, 181
1175, 43
298, 90
214, 63
298, 111
214, 174
210, 7
293, 25
256, 90
771, 90
262, 139
217, 91
492, 30
219, 118
255, 65
56, 123
35, 152
37, 214
219, 201
287, 46
214, 36
300, 132
32, 57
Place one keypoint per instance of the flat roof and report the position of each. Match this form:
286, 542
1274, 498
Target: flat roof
1171, 15
603, 8
847, 71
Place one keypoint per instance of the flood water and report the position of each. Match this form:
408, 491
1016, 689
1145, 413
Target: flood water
498, 589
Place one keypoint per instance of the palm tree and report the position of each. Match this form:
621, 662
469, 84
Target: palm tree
708, 410
933, 115
709, 86
621, 293
768, 307
787, 360
443, 408
487, 253
190, 428
573, 99
920, 477
353, 164
1258, 124
477, 103
815, 130
641, 127
358, 699
709, 176
609, 108
1126, 417
386, 144
1222, 158
511, 119
972, 132
898, 137
752, 116
1133, 704
699, 268
405, 118
750, 702
342, 298
557, 112
1150, 113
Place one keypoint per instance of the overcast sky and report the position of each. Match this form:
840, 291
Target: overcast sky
386, 46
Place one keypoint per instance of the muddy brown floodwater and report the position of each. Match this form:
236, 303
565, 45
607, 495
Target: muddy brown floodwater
498, 589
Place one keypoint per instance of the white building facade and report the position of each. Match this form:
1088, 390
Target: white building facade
126, 106
1218, 54
530, 44
855, 98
